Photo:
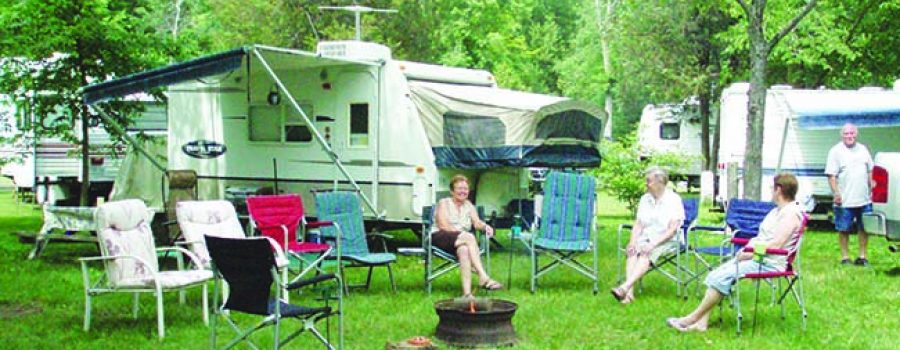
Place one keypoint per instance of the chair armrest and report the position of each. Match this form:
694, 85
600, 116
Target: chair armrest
769, 251
318, 224
740, 241
310, 281
194, 259
85, 260
381, 235
707, 228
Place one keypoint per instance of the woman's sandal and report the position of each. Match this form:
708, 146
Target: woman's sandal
491, 285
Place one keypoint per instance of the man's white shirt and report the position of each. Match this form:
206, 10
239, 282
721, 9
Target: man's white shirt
852, 166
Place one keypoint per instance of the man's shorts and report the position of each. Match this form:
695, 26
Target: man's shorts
850, 219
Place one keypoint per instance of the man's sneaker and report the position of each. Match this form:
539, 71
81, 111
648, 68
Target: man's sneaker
846, 262
861, 262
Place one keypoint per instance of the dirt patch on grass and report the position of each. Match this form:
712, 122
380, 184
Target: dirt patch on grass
10, 310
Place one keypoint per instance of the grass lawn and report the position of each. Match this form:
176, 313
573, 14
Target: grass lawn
41, 303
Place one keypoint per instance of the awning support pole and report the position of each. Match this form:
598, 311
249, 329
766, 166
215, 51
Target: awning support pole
321, 140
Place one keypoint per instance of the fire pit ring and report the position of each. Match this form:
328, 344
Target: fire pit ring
489, 325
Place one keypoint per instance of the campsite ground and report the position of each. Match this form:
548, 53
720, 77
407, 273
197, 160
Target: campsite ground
41, 303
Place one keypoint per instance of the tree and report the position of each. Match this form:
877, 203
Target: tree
57, 46
760, 48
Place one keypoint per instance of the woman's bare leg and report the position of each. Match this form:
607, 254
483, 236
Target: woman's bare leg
465, 268
468, 240
699, 318
637, 267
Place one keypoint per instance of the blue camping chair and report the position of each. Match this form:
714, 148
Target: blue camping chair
344, 209
679, 273
566, 226
742, 220
438, 261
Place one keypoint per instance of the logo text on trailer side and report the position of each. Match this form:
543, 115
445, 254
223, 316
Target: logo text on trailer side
203, 149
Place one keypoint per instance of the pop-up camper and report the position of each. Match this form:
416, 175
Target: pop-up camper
800, 128
350, 116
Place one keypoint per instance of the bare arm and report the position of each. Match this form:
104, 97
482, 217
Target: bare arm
832, 181
441, 219
674, 226
478, 224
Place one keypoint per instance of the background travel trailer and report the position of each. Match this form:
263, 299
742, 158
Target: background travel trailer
349, 116
674, 128
51, 167
800, 128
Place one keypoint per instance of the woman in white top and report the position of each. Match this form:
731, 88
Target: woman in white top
780, 229
454, 219
659, 218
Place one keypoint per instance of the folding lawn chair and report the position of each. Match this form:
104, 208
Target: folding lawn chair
680, 273
742, 220
280, 217
129, 256
248, 265
344, 209
566, 226
438, 261
791, 275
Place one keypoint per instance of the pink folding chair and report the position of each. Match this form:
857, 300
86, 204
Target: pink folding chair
280, 217
791, 275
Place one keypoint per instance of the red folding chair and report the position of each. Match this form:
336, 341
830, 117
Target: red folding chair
791, 275
280, 217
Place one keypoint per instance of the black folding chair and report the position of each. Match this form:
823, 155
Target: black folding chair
248, 266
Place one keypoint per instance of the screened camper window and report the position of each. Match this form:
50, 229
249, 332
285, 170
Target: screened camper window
295, 128
359, 124
669, 131
462, 130
265, 123
570, 124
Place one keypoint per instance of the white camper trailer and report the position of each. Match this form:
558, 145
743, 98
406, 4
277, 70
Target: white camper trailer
350, 116
800, 128
674, 128
51, 167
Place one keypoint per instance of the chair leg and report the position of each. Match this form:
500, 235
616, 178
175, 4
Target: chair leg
391, 277
369, 277
134, 305
205, 305
87, 311
277, 340
160, 316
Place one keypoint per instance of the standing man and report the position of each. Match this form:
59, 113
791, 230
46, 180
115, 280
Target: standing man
849, 170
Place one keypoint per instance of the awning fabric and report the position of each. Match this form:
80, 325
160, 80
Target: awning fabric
831, 109
172, 74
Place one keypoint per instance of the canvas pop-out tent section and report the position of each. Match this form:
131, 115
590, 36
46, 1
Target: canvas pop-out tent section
801, 126
349, 116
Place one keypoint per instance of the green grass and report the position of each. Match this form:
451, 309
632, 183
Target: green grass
41, 303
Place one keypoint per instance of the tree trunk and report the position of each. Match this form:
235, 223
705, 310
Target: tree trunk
704, 98
604, 23
759, 52
84, 197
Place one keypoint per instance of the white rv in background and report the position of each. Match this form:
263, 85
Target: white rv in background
674, 128
51, 166
349, 116
800, 128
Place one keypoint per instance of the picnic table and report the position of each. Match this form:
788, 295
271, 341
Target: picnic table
67, 220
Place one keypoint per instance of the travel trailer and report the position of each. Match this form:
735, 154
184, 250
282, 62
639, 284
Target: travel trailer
350, 116
800, 128
674, 128
51, 167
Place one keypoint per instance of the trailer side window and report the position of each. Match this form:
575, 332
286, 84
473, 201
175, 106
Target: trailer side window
359, 124
463, 130
669, 131
295, 129
575, 124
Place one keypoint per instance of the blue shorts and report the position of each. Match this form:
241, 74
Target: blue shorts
850, 219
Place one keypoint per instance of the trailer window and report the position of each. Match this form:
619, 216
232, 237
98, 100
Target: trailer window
669, 131
462, 130
295, 128
574, 124
359, 124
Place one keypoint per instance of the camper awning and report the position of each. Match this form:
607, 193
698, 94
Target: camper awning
207, 66
863, 108
474, 127
168, 75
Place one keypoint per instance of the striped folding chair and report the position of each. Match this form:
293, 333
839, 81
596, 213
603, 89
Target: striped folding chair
566, 226
344, 209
